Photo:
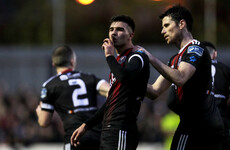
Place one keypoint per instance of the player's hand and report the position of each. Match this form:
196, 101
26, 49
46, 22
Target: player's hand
139, 48
77, 134
108, 47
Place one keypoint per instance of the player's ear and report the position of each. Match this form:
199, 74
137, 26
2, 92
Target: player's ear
132, 35
72, 62
182, 23
214, 54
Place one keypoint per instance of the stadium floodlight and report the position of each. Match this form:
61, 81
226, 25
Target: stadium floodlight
85, 2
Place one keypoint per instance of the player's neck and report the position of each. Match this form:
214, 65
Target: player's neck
62, 70
120, 50
185, 40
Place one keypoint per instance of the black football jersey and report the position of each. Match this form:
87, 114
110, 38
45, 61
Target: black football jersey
221, 83
128, 79
192, 101
73, 95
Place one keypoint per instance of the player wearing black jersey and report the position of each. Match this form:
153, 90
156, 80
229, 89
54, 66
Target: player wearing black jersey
128, 79
189, 75
221, 92
73, 95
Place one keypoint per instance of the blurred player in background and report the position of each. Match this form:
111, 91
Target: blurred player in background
128, 79
73, 95
221, 83
189, 75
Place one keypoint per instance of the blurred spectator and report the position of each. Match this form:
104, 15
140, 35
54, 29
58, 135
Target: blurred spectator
18, 121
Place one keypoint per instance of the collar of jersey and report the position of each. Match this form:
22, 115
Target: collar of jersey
65, 71
124, 52
181, 50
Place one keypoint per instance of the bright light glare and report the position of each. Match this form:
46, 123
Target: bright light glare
85, 2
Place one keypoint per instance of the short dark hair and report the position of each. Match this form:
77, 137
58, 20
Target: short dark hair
62, 55
178, 13
124, 18
210, 47
208, 44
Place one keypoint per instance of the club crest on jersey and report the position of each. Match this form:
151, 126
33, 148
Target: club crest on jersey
112, 79
43, 93
122, 59
196, 50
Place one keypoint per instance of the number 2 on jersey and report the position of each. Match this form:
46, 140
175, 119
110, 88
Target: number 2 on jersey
79, 91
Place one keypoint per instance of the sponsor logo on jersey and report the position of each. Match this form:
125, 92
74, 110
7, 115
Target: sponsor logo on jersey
196, 50
122, 59
72, 82
43, 92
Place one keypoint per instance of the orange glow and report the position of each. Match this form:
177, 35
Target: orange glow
85, 2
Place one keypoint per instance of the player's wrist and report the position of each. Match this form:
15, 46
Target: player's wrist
84, 125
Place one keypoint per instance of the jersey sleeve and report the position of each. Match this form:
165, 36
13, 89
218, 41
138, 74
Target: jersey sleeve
46, 98
194, 55
130, 71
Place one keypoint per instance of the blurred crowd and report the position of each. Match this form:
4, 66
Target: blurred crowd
18, 120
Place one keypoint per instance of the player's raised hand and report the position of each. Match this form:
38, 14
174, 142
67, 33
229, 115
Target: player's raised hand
108, 47
77, 134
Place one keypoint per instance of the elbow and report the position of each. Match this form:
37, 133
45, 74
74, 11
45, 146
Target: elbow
151, 93
179, 83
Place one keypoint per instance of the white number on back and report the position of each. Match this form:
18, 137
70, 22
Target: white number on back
79, 91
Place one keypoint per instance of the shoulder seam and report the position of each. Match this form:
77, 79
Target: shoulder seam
47, 81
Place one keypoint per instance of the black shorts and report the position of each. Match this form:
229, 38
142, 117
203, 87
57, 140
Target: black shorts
197, 141
115, 139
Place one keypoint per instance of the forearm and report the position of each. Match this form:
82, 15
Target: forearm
96, 119
151, 93
171, 74
157, 88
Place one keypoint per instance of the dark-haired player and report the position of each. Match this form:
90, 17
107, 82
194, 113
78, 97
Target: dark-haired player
221, 83
128, 79
73, 95
189, 75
